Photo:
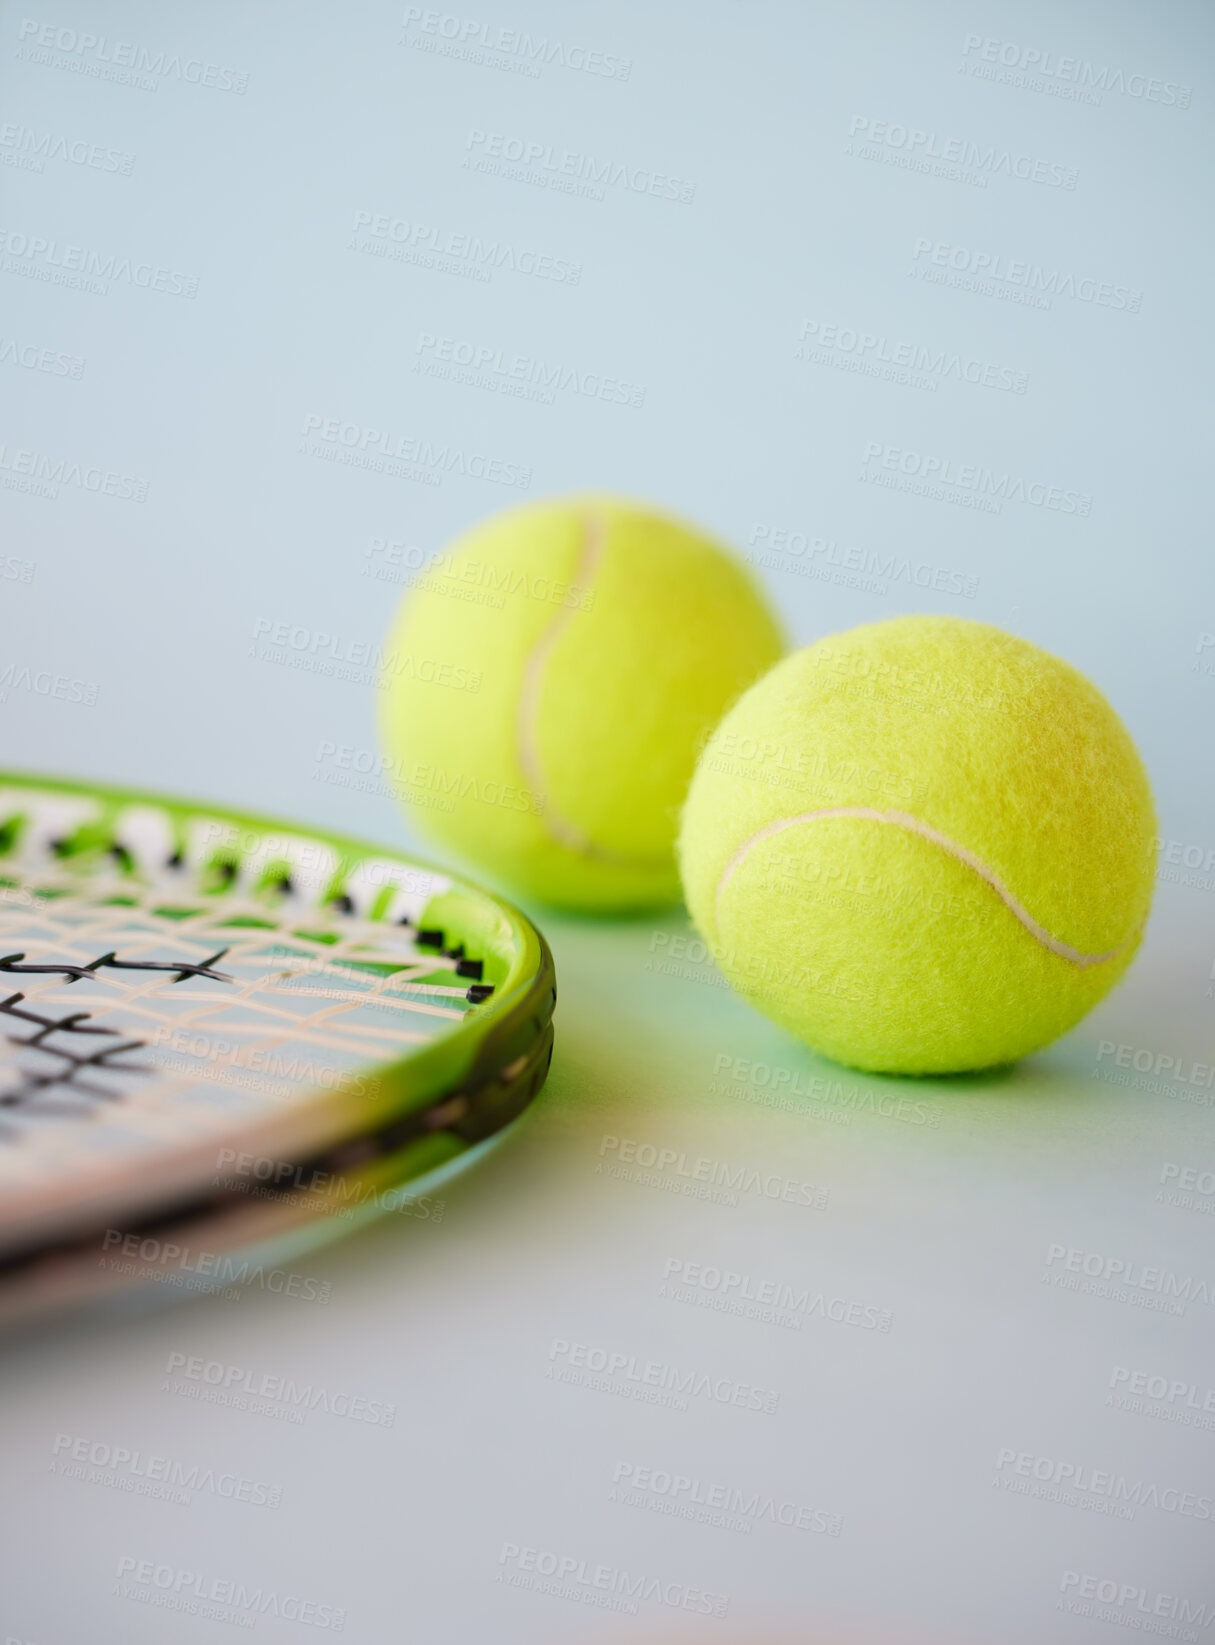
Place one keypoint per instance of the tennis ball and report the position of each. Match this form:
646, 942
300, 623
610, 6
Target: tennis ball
548, 684
924, 846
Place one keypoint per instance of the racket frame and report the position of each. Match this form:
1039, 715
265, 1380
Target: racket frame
465, 1084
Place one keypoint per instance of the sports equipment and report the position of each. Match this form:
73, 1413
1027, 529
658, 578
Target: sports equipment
924, 845
549, 682
225, 1035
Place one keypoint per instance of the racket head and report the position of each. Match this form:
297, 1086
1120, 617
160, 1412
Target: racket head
183, 986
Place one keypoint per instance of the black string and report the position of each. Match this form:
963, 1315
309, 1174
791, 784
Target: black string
76, 973
48, 1025
67, 1076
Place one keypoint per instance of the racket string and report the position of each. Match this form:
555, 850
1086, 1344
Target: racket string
354, 965
71, 1064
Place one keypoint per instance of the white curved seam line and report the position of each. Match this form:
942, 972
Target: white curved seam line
913, 825
594, 539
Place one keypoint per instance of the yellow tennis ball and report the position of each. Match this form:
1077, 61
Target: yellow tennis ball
924, 846
549, 683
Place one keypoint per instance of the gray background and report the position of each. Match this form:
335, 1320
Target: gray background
247, 151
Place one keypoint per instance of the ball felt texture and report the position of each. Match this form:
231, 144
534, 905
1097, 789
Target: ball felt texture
923, 846
549, 684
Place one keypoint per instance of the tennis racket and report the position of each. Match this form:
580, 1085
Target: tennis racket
223, 1039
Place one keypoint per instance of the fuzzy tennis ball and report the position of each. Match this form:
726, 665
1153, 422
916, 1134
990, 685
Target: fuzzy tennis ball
549, 683
924, 846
